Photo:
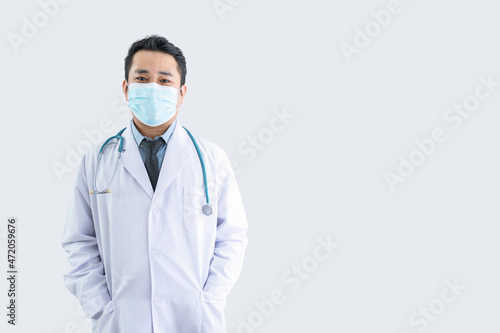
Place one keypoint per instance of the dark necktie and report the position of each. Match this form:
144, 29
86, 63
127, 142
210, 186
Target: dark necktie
151, 162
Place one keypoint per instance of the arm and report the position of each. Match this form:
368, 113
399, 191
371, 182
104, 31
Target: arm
86, 279
230, 240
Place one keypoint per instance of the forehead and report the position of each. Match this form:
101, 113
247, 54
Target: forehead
154, 61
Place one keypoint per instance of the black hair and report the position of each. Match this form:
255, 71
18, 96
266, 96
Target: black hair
160, 44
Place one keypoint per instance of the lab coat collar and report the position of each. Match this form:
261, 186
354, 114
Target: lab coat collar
176, 156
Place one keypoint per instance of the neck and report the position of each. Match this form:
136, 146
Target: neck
152, 132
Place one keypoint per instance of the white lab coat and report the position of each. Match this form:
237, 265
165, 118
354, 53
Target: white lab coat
151, 260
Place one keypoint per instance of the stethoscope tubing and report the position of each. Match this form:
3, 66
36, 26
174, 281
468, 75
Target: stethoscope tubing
207, 208
202, 163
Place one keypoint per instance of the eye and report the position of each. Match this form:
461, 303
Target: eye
164, 81
140, 78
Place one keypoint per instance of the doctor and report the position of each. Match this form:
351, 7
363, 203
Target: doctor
144, 257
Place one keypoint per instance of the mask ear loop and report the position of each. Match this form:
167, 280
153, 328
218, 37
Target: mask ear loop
180, 89
128, 88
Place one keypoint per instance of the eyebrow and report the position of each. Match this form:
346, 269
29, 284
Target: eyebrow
145, 71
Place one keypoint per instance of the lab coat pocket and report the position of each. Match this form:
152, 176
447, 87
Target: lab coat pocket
106, 322
195, 221
212, 314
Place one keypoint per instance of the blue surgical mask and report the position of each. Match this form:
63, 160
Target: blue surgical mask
152, 103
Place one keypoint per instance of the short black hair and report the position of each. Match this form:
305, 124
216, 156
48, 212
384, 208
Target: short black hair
160, 44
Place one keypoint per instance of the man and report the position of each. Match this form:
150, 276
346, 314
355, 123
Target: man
147, 255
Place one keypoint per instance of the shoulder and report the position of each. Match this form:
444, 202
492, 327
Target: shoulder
212, 152
217, 160
212, 149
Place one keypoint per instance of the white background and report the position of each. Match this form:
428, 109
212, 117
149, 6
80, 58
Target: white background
322, 176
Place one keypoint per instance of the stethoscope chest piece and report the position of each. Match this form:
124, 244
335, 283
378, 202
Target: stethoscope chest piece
207, 209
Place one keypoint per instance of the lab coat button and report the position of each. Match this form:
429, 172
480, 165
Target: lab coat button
155, 253
157, 300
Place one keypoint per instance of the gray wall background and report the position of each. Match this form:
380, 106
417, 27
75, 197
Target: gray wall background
414, 72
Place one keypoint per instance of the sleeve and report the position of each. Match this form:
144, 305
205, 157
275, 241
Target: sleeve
230, 240
86, 279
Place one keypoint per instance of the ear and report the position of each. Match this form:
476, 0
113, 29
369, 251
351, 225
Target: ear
183, 92
125, 89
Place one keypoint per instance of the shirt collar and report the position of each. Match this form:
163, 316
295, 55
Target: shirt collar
139, 137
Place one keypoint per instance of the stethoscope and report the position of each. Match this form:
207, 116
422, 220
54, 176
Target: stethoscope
207, 208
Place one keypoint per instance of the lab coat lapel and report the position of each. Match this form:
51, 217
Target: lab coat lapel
132, 161
176, 156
